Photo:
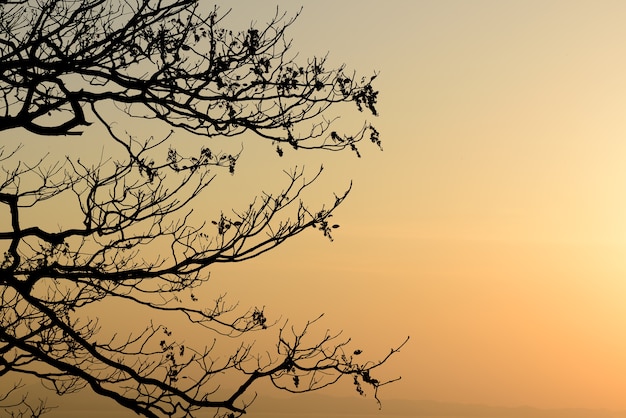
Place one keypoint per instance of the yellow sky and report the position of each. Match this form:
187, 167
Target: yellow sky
492, 228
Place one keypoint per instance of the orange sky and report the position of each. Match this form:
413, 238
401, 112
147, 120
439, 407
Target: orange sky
492, 229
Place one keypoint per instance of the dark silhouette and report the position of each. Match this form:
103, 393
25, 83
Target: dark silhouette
65, 65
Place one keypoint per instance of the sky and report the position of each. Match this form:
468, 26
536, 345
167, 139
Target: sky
492, 228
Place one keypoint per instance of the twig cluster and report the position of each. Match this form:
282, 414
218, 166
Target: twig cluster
61, 63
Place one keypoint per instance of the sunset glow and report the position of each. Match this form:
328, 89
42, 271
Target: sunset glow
491, 228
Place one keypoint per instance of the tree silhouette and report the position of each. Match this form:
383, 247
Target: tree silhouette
66, 65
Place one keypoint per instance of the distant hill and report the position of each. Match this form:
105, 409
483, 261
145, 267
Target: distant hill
314, 405
326, 405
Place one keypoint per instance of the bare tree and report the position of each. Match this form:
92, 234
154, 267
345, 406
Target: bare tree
20, 406
68, 64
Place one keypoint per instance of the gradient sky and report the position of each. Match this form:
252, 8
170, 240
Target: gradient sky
492, 229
